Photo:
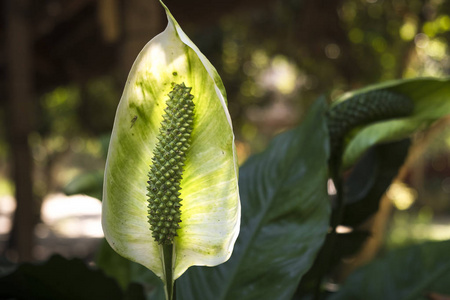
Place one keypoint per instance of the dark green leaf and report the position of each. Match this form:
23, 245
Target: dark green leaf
347, 244
135, 291
126, 272
404, 274
57, 279
369, 180
285, 214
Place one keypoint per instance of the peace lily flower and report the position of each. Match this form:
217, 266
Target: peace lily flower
172, 115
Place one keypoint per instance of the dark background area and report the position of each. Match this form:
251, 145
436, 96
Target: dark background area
63, 65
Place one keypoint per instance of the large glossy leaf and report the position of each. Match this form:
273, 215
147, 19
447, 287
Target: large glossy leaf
344, 245
210, 211
431, 98
369, 180
402, 274
59, 278
364, 187
285, 219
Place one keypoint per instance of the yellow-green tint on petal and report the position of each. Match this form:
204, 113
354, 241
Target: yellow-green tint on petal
220, 89
210, 211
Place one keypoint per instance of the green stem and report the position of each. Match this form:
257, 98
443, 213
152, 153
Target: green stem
339, 186
167, 253
335, 168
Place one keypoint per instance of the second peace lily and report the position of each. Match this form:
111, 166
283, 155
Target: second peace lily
170, 197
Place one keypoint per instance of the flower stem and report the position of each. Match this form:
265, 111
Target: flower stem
335, 172
167, 253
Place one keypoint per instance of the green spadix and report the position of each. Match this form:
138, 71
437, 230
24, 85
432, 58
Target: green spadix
171, 178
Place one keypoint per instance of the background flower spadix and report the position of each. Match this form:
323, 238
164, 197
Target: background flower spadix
210, 209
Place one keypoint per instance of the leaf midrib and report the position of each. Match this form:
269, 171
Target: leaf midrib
257, 228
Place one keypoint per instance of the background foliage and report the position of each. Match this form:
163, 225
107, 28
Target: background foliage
275, 58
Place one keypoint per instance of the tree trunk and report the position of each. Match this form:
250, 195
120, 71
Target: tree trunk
20, 119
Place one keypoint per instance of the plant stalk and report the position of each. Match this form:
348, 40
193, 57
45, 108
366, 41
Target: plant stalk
168, 258
335, 172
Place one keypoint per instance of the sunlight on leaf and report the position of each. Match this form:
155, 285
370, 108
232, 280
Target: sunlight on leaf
210, 211
431, 102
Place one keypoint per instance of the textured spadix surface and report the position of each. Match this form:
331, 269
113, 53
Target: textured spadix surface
430, 97
210, 211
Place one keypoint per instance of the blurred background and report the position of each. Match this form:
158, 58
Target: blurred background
63, 65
